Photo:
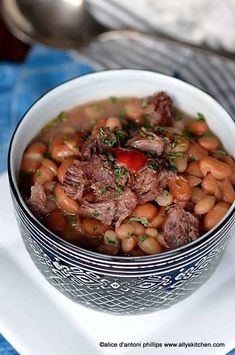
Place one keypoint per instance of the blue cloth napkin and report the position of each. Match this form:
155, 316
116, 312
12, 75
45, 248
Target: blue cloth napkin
23, 84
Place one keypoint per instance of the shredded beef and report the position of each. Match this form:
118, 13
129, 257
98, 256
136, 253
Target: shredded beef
105, 139
125, 204
160, 110
99, 169
40, 202
74, 180
151, 143
180, 227
146, 185
103, 211
88, 148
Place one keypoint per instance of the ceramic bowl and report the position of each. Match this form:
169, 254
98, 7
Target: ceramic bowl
120, 285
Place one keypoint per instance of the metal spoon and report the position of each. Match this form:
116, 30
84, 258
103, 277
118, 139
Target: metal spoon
56, 23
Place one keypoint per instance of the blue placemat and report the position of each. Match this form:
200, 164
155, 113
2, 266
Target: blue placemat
23, 84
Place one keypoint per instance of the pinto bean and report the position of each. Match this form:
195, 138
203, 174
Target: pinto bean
218, 193
209, 184
204, 205
139, 228
56, 221
197, 127
43, 175
193, 180
194, 169
61, 152
227, 159
180, 188
57, 140
181, 164
213, 217
152, 232
32, 157
63, 169
217, 168
93, 227
209, 143
113, 123
74, 144
125, 230
182, 145
50, 165
197, 194
147, 210
64, 202
158, 219
227, 191
110, 237
165, 198
196, 152
129, 243
149, 245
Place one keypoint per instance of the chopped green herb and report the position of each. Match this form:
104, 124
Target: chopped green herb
142, 134
143, 237
129, 234
109, 141
103, 190
158, 129
120, 172
201, 117
121, 134
67, 137
144, 102
151, 153
94, 228
153, 165
96, 213
187, 132
72, 220
112, 241
122, 113
191, 158
37, 172
99, 109
220, 153
112, 99
118, 190
173, 144
108, 209
169, 206
143, 220
178, 116
110, 156
50, 141
47, 155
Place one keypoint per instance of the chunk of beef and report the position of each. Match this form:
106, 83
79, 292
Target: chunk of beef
103, 211
164, 176
75, 180
40, 202
180, 227
125, 204
146, 185
89, 148
99, 169
160, 110
151, 142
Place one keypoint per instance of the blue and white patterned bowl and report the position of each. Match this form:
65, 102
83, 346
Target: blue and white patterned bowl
120, 285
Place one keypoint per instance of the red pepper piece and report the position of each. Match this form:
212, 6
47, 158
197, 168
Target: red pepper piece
131, 159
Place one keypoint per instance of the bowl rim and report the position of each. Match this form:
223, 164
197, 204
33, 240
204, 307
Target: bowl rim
202, 240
